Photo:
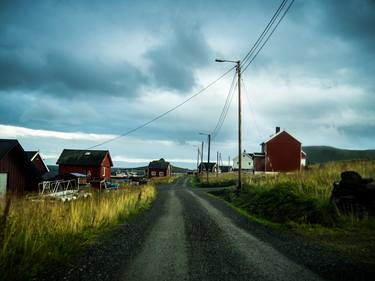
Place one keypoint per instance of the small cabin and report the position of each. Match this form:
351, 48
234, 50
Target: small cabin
94, 164
17, 172
159, 168
205, 166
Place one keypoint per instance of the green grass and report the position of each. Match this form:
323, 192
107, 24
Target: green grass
164, 180
300, 202
38, 234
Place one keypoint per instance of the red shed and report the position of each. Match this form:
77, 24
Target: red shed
17, 173
280, 153
95, 164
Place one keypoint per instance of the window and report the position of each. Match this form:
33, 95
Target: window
153, 173
161, 174
103, 173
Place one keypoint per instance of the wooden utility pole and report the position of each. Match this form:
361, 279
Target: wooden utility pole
198, 159
208, 156
202, 155
239, 129
238, 69
217, 164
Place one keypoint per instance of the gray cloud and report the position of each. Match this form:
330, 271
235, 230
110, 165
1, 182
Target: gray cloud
174, 62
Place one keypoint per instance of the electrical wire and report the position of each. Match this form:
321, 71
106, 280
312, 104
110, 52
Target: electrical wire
165, 113
225, 109
268, 37
266, 29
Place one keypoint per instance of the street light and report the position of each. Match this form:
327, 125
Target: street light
238, 68
209, 148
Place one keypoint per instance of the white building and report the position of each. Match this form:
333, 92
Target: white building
247, 162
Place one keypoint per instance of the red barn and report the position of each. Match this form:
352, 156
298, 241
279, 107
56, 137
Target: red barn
280, 153
95, 164
159, 168
17, 173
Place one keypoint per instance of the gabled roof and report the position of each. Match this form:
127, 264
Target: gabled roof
32, 154
6, 146
83, 157
277, 134
208, 165
159, 164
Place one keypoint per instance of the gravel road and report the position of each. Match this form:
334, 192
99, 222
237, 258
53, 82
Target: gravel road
189, 235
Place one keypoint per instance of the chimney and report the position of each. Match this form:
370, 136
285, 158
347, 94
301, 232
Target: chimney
277, 130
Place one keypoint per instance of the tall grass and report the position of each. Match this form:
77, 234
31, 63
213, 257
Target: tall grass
299, 197
41, 233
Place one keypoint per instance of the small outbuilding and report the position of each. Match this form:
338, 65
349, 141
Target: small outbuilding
94, 164
159, 168
17, 173
205, 166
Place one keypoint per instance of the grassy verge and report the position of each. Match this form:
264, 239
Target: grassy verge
299, 202
38, 234
164, 180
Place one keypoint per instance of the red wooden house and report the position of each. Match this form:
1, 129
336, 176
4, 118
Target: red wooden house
95, 164
280, 153
17, 172
159, 168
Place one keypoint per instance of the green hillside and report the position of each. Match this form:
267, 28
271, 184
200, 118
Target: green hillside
321, 154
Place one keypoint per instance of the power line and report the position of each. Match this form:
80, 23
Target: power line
268, 37
266, 29
251, 108
225, 109
165, 113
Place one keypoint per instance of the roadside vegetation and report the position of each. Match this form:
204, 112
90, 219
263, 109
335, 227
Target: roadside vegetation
37, 234
164, 180
300, 202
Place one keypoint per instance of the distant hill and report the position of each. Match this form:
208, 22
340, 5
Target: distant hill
321, 154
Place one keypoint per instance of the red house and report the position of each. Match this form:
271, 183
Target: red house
280, 153
95, 164
159, 168
17, 172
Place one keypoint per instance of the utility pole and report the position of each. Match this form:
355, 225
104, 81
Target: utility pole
239, 129
238, 69
202, 155
217, 163
198, 159
208, 154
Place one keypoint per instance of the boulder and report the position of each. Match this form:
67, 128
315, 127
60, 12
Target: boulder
354, 194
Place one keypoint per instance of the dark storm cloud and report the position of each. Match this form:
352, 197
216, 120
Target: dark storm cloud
63, 74
174, 62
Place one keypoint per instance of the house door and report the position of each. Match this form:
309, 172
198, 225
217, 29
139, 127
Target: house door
3, 183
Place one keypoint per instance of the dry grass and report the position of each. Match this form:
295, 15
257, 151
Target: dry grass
40, 233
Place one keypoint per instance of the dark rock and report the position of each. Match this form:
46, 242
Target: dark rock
354, 194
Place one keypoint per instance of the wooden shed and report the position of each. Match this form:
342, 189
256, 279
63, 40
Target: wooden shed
204, 166
17, 173
159, 168
95, 164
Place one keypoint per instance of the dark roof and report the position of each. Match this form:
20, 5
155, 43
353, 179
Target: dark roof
31, 154
159, 164
83, 157
208, 165
6, 146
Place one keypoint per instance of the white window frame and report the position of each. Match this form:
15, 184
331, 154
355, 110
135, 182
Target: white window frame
3, 191
103, 171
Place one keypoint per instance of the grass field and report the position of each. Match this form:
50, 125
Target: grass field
300, 202
41, 233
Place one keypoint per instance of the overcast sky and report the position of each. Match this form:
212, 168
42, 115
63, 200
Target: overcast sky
76, 73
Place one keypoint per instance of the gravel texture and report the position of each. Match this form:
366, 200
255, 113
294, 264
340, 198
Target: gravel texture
188, 235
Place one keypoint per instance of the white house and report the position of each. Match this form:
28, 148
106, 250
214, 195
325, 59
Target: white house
247, 161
